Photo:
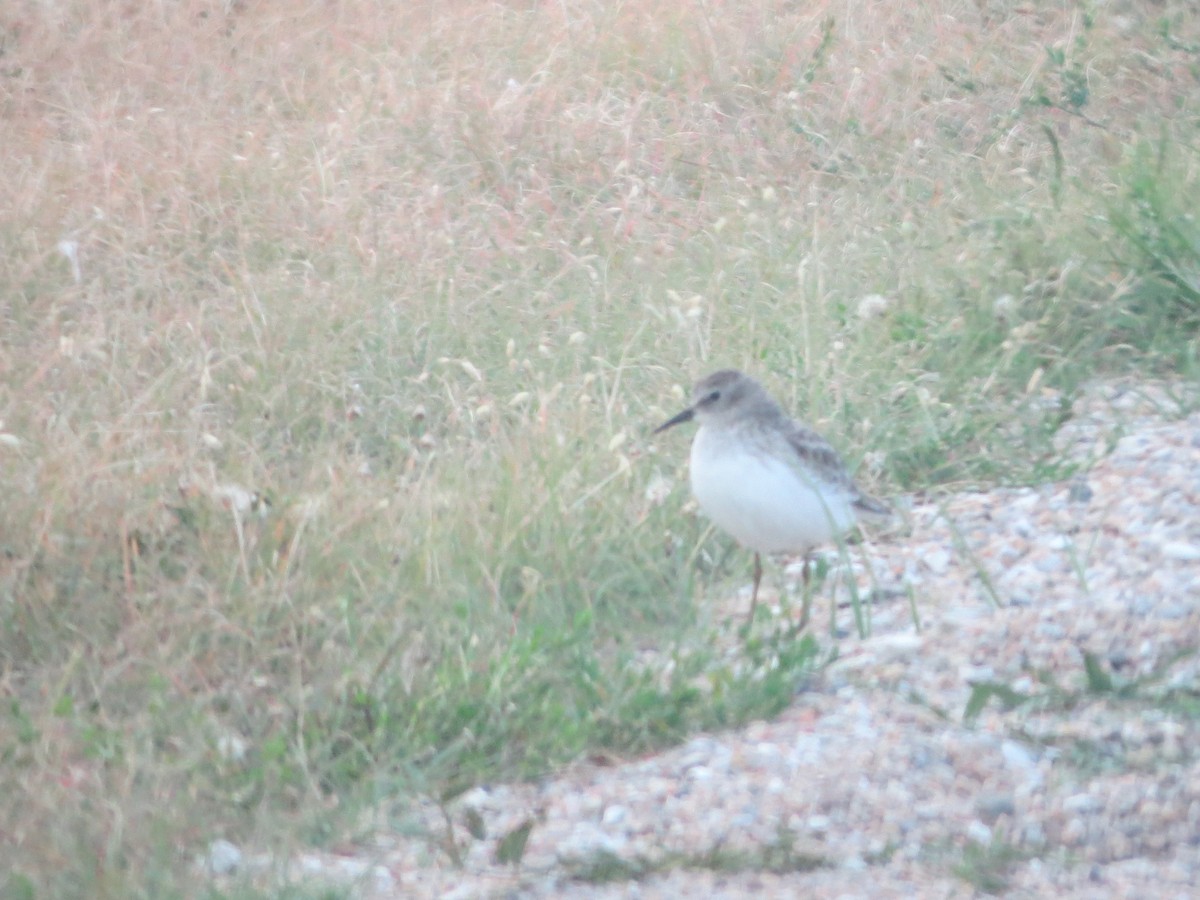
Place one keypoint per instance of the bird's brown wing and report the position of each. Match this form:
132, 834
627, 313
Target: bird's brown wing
816, 454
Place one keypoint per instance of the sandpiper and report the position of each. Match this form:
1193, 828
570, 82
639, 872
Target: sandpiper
772, 482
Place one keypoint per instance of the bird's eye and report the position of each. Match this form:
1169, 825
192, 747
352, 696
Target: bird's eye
713, 397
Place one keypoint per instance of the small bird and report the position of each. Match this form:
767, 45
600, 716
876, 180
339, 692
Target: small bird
772, 482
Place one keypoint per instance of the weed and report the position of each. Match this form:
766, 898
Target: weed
986, 867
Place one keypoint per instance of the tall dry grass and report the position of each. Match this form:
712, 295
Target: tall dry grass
421, 275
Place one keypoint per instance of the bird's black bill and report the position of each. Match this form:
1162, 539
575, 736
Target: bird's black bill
686, 416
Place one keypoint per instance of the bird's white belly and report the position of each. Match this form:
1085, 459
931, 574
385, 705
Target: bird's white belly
764, 503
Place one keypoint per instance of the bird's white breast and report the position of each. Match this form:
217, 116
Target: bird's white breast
764, 502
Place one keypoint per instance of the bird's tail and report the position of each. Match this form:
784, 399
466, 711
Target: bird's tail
870, 508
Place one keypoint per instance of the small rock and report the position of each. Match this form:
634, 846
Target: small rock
873, 305
979, 833
937, 561
1050, 630
992, 806
696, 752
1080, 491
1018, 756
977, 674
747, 817
1081, 803
231, 747
1004, 306
223, 857
896, 647
383, 881
587, 839
1048, 565
614, 815
1133, 733
1075, 832
1181, 551
478, 798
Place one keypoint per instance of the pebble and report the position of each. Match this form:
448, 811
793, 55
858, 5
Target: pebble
977, 674
979, 833
614, 815
586, 839
993, 806
1180, 551
1081, 803
937, 561
1080, 491
1075, 832
223, 858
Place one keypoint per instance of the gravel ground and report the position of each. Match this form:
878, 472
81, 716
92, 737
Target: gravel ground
871, 784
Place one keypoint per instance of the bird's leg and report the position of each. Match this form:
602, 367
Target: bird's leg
754, 593
806, 578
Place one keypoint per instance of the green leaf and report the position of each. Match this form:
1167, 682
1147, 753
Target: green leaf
475, 824
984, 691
1098, 681
20, 887
512, 845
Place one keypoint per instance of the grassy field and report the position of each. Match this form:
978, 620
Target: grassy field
333, 334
